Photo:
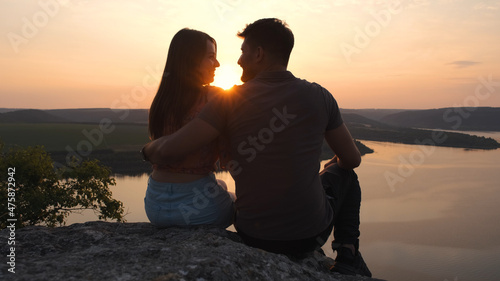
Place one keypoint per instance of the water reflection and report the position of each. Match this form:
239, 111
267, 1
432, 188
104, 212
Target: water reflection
440, 222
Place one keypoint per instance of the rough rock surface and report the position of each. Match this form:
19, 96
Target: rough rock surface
140, 251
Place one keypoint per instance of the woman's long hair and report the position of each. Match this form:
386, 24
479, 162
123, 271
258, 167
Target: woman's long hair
181, 84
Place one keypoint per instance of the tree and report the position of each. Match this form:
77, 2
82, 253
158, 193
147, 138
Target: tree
44, 194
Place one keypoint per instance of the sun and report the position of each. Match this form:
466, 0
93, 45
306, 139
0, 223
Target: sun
226, 76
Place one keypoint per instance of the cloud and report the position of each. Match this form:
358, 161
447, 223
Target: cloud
463, 63
487, 6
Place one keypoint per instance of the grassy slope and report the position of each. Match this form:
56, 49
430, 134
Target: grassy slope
56, 137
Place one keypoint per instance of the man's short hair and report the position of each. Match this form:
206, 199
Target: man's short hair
273, 35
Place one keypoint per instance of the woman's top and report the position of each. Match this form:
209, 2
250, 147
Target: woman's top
201, 161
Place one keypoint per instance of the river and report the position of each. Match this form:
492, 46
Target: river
427, 213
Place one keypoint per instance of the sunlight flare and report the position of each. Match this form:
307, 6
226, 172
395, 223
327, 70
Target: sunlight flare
226, 76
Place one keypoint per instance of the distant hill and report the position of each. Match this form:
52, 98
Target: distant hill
400, 126
372, 113
95, 115
30, 116
352, 118
363, 128
84, 115
3, 110
463, 119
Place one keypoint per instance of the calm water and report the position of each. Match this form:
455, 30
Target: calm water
428, 214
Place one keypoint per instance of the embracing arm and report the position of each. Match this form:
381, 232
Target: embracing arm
346, 152
168, 149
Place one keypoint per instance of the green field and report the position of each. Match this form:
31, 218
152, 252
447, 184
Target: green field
118, 149
57, 137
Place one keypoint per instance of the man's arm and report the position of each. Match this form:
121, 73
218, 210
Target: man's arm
168, 149
341, 142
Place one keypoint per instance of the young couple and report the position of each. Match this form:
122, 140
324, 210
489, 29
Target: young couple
272, 129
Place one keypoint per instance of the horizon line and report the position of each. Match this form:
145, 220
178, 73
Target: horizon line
7, 109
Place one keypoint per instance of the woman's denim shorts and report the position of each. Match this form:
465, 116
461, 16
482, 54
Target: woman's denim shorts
201, 202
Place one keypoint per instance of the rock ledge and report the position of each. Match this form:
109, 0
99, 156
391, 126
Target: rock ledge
140, 251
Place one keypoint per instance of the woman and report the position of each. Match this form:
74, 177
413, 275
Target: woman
186, 193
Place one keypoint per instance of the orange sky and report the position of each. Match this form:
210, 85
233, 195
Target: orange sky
369, 54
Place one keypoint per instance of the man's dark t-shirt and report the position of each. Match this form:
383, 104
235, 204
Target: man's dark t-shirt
276, 125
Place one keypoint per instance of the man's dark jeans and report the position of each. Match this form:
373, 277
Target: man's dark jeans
344, 194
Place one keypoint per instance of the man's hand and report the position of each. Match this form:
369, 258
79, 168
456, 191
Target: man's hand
149, 155
169, 149
346, 152
332, 161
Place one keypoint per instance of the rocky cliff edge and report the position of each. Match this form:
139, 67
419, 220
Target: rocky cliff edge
140, 251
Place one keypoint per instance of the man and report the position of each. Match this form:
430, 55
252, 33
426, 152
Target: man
276, 124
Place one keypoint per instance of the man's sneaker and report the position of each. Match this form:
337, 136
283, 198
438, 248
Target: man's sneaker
349, 264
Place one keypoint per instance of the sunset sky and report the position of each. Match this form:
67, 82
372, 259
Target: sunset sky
411, 54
